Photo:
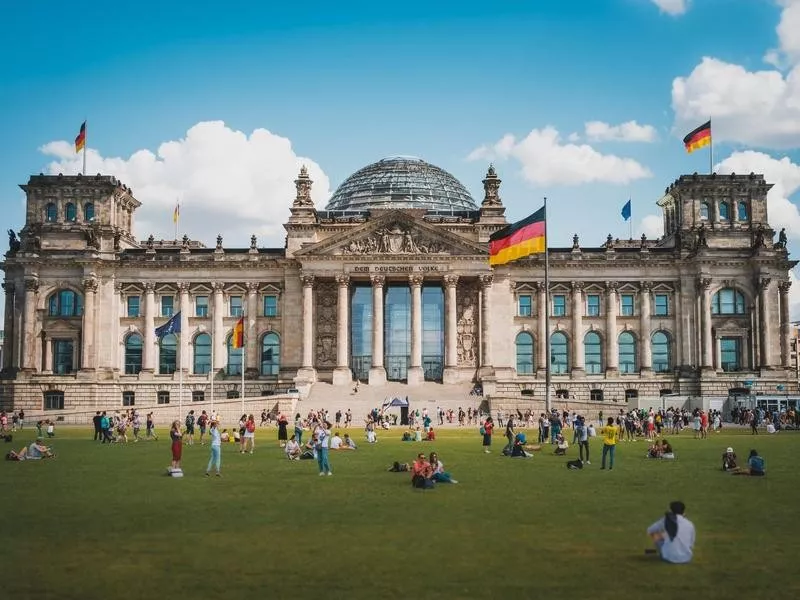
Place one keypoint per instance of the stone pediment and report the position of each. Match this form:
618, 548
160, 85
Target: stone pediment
395, 234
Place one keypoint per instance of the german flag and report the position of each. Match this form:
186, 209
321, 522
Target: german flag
518, 240
698, 138
237, 337
80, 141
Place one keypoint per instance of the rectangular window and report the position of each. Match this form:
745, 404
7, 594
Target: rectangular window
524, 306
596, 395
593, 305
270, 306
163, 397
54, 401
730, 353
236, 306
133, 306
63, 352
232, 394
128, 398
201, 306
167, 306
626, 305
662, 305
559, 305
198, 396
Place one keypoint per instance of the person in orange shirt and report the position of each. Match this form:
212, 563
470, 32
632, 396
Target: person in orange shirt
422, 472
610, 434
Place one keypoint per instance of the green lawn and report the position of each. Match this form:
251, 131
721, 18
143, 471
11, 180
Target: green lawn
105, 522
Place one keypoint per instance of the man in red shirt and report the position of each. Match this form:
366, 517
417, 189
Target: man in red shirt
422, 473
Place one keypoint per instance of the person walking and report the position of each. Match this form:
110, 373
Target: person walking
510, 433
216, 449
323, 436
98, 432
582, 436
249, 434
190, 427
610, 435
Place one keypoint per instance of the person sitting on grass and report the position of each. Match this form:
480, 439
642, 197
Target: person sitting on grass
421, 473
225, 437
292, 449
729, 460
755, 466
309, 449
408, 436
439, 474
655, 450
673, 535
348, 443
666, 450
431, 435
336, 441
561, 444
518, 449
35, 451
399, 467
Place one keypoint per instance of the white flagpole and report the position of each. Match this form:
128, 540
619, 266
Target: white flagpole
211, 370
630, 220
547, 401
244, 354
84, 146
180, 380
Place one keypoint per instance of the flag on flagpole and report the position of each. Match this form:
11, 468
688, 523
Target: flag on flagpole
177, 212
171, 326
698, 138
626, 210
80, 141
518, 240
237, 337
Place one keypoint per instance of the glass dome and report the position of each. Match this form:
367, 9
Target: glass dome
401, 182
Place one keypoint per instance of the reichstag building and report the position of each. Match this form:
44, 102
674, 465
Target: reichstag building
391, 282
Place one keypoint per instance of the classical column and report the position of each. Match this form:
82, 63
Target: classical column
541, 313
251, 332
10, 331
416, 374
612, 349
645, 349
707, 342
377, 374
307, 368
183, 338
487, 361
217, 329
149, 349
29, 324
766, 338
48, 354
786, 329
88, 333
578, 362
450, 329
342, 375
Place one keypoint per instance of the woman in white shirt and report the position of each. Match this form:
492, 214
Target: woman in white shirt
673, 535
439, 474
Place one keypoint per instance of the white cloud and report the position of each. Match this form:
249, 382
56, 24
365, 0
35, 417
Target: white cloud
783, 173
794, 297
652, 226
788, 31
545, 160
672, 7
631, 131
229, 182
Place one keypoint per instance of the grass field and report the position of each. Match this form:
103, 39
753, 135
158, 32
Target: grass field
104, 522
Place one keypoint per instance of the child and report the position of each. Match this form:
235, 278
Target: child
51, 429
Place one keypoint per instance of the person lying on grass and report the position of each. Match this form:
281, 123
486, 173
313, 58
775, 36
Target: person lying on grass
756, 466
673, 535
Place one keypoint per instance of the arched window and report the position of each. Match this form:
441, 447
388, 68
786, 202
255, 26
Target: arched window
627, 352
660, 348
71, 212
133, 354
727, 302
704, 211
724, 211
202, 354
234, 358
593, 351
742, 211
168, 354
50, 213
88, 211
65, 303
270, 354
524, 344
559, 353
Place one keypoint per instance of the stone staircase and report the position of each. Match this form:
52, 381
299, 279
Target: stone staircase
426, 395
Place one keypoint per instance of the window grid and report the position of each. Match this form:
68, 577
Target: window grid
559, 305
593, 305
626, 305
524, 344
235, 306
167, 306
270, 306
524, 306
662, 305
133, 306
128, 398
201, 306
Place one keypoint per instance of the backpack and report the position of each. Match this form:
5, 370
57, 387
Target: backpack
251, 426
482, 430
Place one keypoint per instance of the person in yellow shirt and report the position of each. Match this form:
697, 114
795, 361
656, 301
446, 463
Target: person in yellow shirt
610, 434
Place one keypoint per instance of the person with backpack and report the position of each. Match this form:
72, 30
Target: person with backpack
190, 428
202, 422
756, 467
249, 435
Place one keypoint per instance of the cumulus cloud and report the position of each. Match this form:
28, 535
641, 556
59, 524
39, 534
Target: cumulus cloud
631, 131
672, 7
788, 31
652, 226
229, 182
794, 297
546, 160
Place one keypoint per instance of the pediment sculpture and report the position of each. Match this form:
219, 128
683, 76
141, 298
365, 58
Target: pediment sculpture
395, 239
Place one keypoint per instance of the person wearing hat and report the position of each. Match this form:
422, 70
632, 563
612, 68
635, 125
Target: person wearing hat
673, 535
729, 460
216, 449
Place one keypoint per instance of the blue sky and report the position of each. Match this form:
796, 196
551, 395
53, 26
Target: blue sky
219, 103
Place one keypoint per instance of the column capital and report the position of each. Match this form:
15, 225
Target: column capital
149, 287
183, 286
763, 283
32, 285
486, 280
611, 287
415, 280
90, 284
450, 281
577, 286
377, 280
307, 279
118, 286
252, 287
343, 279
645, 286
784, 286
218, 287
540, 286
704, 283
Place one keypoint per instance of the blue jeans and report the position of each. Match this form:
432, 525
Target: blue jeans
216, 458
608, 450
298, 433
322, 460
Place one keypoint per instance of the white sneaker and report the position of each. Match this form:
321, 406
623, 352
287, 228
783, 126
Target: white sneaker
329, 473
588, 463
486, 451
454, 481
321, 474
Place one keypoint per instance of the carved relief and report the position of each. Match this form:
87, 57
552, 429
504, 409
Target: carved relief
326, 305
303, 186
486, 280
704, 283
377, 280
491, 188
90, 284
784, 286
307, 280
395, 239
450, 280
415, 280
467, 324
763, 283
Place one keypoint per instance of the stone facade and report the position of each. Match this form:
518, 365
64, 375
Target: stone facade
701, 311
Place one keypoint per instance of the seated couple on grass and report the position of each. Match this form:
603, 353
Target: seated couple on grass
35, 451
756, 467
521, 448
337, 443
294, 451
425, 472
661, 449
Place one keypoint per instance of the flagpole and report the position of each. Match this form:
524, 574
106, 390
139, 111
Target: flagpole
84, 147
211, 370
177, 216
547, 402
244, 354
710, 151
630, 221
180, 380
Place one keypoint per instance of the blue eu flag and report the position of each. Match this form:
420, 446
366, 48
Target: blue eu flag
626, 210
171, 326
